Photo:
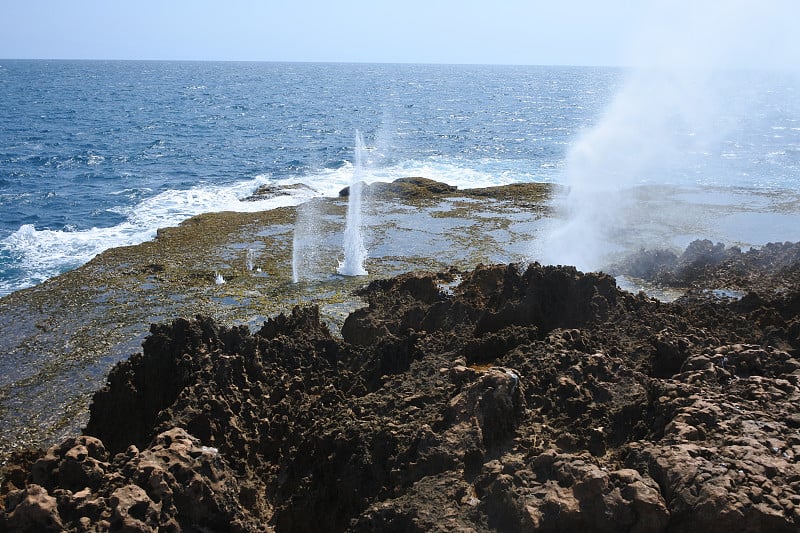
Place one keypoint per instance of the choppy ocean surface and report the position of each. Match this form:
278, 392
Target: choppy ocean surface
100, 154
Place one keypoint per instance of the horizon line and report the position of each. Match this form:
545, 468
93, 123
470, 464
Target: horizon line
770, 68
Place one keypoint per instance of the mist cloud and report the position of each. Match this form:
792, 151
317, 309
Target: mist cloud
673, 109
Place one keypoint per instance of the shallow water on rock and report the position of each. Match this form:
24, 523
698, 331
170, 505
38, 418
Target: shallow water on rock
636, 285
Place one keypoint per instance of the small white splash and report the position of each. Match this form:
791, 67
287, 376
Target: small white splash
446, 287
218, 279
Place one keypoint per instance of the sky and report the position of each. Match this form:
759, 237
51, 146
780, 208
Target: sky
532, 32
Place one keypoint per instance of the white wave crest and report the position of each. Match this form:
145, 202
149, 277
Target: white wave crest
468, 175
43, 253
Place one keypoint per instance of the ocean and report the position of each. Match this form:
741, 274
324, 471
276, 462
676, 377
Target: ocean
100, 154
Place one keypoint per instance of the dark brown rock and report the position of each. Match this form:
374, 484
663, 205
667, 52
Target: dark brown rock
32, 509
520, 399
410, 188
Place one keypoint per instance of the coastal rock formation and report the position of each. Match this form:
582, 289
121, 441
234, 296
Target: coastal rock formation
412, 187
506, 398
705, 265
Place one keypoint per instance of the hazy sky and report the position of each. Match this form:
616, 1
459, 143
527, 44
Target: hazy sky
566, 32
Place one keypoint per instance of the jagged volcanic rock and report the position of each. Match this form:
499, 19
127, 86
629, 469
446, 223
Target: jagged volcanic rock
500, 399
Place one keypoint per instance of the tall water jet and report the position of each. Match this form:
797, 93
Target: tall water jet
354, 251
309, 251
295, 257
250, 260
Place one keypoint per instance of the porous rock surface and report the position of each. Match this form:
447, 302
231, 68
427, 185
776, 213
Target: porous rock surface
506, 398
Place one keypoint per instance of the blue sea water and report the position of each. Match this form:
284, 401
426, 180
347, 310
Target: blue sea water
96, 154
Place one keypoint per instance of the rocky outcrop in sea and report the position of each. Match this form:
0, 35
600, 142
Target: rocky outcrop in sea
500, 398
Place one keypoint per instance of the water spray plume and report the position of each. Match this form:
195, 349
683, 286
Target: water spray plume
661, 126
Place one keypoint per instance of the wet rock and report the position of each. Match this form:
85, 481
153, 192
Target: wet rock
269, 191
411, 187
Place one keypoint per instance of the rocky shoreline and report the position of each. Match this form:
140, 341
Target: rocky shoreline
495, 398
59, 340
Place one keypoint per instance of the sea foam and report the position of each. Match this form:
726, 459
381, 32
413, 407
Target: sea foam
44, 253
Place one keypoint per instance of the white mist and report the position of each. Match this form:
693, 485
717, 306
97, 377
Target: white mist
673, 110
